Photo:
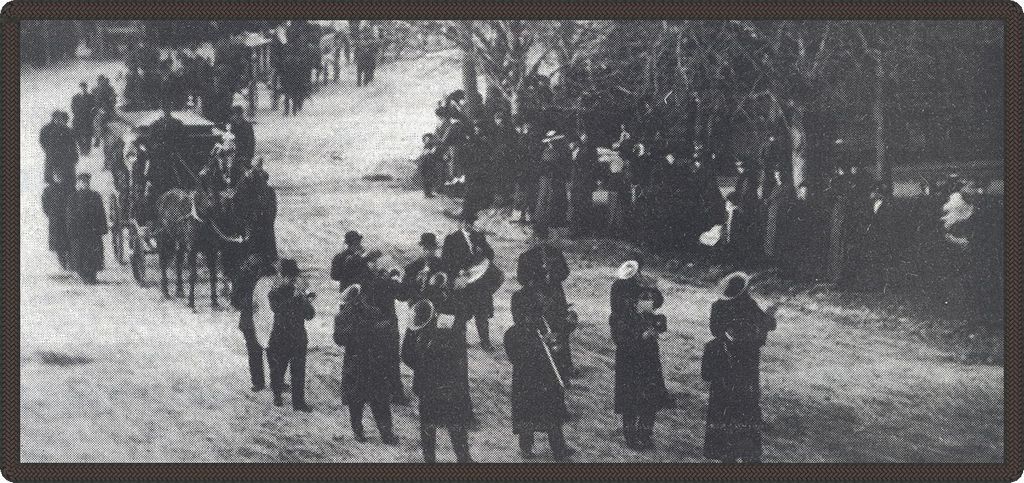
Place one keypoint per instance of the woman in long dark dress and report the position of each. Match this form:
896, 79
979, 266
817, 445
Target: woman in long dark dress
731, 366
639, 383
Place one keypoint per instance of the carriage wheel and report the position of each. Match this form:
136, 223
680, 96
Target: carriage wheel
137, 255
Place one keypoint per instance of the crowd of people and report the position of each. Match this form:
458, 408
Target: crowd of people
670, 195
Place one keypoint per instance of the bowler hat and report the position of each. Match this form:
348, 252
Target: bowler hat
289, 268
423, 314
428, 240
352, 237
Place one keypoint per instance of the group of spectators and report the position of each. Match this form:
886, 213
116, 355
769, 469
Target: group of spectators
665, 194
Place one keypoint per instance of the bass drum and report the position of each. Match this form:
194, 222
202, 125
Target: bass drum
262, 316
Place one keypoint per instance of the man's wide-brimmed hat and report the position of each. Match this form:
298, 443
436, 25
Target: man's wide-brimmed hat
428, 240
734, 285
628, 270
352, 237
553, 136
423, 314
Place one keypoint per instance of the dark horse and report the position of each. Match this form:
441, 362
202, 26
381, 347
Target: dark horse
201, 221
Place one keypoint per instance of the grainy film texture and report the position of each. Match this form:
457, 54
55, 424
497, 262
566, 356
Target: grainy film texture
512, 241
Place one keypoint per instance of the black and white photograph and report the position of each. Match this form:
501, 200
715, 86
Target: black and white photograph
720, 241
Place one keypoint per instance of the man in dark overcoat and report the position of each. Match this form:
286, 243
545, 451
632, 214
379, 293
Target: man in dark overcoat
55, 206
775, 213
435, 355
881, 240
537, 394
429, 164
529, 150
288, 339
552, 199
350, 266
543, 266
803, 237
382, 289
479, 170
746, 187
461, 250
59, 147
86, 225
241, 298
83, 109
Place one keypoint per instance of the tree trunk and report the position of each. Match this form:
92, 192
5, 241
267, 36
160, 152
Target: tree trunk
798, 138
882, 171
469, 83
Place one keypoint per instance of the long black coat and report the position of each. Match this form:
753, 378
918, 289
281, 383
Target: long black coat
479, 174
382, 292
732, 370
86, 225
840, 200
671, 206
367, 337
55, 206
437, 358
538, 401
61, 152
349, 267
803, 241
245, 139
639, 381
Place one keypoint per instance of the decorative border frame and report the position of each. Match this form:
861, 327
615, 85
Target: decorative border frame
1011, 14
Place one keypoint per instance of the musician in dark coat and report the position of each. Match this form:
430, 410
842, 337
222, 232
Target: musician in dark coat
83, 108
350, 266
55, 206
245, 140
436, 356
537, 396
639, 383
59, 147
418, 274
582, 183
86, 225
365, 333
382, 289
241, 298
731, 366
460, 251
288, 340
552, 201
543, 266
776, 209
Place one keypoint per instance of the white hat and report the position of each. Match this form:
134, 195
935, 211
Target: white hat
628, 269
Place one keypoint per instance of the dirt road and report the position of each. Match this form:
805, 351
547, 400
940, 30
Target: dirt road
114, 373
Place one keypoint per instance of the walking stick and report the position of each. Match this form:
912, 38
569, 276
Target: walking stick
551, 360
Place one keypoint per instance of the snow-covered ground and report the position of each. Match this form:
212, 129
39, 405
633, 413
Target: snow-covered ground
156, 383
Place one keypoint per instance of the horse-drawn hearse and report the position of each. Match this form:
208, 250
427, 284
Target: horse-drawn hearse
179, 221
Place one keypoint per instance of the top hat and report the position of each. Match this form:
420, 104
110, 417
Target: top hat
428, 240
352, 237
289, 268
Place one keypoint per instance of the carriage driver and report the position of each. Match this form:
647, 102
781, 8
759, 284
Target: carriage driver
150, 177
223, 171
